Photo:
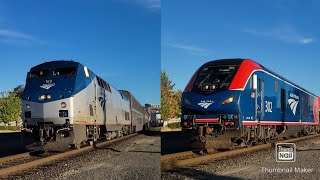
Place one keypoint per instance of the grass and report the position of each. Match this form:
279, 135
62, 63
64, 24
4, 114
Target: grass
174, 125
10, 128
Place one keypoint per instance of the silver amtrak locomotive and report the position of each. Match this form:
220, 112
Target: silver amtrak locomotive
64, 104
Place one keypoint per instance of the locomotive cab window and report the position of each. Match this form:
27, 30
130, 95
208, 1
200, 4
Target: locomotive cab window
214, 78
64, 71
38, 73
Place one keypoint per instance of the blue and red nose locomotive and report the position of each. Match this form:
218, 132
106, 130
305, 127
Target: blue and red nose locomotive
242, 96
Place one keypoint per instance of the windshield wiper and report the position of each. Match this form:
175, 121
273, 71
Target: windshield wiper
204, 79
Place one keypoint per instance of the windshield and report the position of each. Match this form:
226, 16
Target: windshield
214, 78
50, 73
64, 71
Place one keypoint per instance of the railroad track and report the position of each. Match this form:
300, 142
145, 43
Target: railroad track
183, 159
17, 163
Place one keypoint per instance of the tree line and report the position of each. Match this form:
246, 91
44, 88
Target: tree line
10, 104
170, 100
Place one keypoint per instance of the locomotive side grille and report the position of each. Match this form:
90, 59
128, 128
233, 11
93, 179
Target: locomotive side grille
91, 109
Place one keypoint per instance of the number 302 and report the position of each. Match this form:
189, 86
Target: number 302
268, 106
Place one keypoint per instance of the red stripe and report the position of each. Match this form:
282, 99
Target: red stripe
243, 74
207, 120
191, 82
249, 122
316, 120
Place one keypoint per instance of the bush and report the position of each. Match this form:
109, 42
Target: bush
174, 125
10, 128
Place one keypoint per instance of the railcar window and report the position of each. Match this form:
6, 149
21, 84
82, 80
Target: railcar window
275, 86
126, 114
214, 78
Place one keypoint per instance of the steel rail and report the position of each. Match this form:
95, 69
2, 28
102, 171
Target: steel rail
168, 165
6, 159
39, 162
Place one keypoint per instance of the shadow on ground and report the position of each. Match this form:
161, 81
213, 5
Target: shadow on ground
198, 174
13, 143
173, 142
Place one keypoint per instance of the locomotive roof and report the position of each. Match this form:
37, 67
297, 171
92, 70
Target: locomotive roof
238, 61
55, 63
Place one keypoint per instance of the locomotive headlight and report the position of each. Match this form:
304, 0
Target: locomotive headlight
228, 100
63, 105
27, 106
43, 97
49, 96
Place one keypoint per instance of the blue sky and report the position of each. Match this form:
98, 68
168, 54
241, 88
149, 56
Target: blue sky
282, 35
119, 40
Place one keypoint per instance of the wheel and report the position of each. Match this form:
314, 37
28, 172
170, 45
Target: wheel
249, 143
266, 140
202, 139
75, 146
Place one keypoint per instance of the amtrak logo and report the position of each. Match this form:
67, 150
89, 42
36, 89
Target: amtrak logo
205, 104
293, 105
102, 102
47, 86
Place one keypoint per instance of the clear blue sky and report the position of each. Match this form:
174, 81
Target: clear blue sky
282, 35
119, 40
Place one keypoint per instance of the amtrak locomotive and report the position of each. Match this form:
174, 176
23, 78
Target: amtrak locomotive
244, 101
64, 103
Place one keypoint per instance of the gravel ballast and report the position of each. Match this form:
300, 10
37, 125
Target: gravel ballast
134, 158
257, 165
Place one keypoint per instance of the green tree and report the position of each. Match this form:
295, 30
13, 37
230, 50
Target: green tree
170, 100
10, 108
166, 87
18, 91
176, 103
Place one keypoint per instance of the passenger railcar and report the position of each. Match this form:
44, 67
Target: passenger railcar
140, 118
65, 102
245, 98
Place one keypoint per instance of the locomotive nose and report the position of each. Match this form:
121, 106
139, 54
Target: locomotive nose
56, 112
223, 102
